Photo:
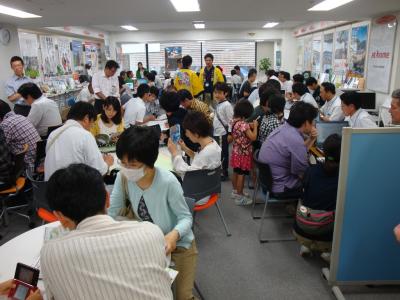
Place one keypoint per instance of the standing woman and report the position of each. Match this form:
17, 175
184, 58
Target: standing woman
156, 196
110, 120
140, 71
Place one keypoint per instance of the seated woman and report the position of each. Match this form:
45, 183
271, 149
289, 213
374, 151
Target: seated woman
110, 120
316, 213
273, 118
197, 129
156, 196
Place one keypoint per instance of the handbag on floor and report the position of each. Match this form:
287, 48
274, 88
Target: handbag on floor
313, 221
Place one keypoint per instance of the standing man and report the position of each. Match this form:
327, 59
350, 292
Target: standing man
105, 84
239, 72
186, 79
209, 76
13, 84
332, 109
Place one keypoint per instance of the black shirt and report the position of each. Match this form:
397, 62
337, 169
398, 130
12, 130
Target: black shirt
245, 88
177, 118
208, 80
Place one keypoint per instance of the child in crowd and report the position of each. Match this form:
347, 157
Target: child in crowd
273, 118
316, 213
223, 116
243, 134
110, 121
197, 129
153, 105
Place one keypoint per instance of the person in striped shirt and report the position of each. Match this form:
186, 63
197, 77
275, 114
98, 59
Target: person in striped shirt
100, 258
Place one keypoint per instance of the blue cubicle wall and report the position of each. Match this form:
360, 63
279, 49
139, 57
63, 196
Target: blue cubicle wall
368, 208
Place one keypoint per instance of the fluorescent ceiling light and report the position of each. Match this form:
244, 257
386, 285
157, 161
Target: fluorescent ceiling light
199, 25
328, 5
129, 27
16, 12
186, 5
270, 24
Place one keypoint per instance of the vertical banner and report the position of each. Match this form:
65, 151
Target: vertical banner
341, 52
171, 56
64, 56
358, 51
300, 55
77, 51
308, 53
327, 53
380, 53
49, 63
30, 53
316, 56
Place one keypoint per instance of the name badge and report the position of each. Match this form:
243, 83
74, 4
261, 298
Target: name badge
207, 84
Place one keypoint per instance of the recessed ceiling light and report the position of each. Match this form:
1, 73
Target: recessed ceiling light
186, 5
129, 27
328, 5
16, 12
259, 41
199, 25
270, 24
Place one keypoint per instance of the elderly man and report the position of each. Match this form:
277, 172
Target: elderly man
395, 108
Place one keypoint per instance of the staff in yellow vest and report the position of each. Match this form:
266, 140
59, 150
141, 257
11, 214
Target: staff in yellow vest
209, 76
186, 79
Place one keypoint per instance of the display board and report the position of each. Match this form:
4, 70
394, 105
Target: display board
327, 53
49, 60
308, 51
358, 51
77, 52
172, 54
341, 52
300, 55
316, 55
30, 53
64, 53
365, 250
380, 53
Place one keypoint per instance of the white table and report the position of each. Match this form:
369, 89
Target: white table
24, 248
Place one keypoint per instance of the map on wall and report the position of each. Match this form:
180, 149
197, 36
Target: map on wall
327, 53
358, 51
49, 63
341, 52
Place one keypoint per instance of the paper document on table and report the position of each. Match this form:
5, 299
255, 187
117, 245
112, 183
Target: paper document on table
172, 274
161, 117
163, 124
51, 233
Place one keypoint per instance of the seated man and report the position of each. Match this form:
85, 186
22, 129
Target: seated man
100, 258
332, 109
18, 132
314, 89
73, 143
285, 150
153, 105
357, 117
44, 112
300, 93
190, 103
395, 108
135, 108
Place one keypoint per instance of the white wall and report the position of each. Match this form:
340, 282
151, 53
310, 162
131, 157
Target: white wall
285, 36
6, 52
264, 50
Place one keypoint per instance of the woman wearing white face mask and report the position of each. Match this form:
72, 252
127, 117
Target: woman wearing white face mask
156, 196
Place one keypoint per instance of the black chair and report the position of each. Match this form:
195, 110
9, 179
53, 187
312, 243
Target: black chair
15, 190
200, 184
40, 152
264, 183
51, 129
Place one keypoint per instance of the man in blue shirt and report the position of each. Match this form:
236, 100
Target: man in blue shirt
13, 84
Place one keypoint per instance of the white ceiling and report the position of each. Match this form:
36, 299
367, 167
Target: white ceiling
160, 15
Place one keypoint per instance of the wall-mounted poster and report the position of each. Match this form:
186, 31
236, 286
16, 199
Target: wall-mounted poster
300, 55
327, 53
278, 55
171, 56
316, 56
380, 53
341, 52
308, 53
77, 51
49, 63
30, 53
358, 51
64, 56
91, 55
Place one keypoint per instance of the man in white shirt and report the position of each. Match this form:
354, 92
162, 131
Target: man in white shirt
300, 93
271, 74
73, 143
331, 111
135, 108
99, 258
44, 112
395, 108
105, 84
357, 117
286, 83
